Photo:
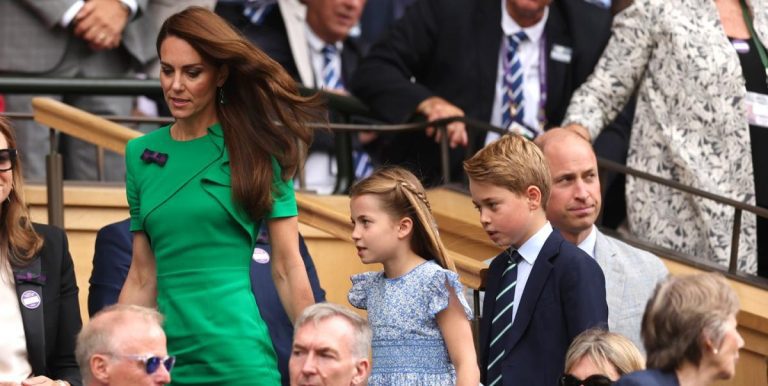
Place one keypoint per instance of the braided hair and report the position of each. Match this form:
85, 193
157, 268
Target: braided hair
402, 195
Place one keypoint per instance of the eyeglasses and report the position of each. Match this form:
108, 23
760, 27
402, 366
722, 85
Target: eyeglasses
152, 363
592, 380
7, 159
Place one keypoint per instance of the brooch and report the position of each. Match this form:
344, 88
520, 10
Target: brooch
157, 157
29, 277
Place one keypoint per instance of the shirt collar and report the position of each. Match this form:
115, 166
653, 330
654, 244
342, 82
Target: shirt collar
588, 245
317, 44
531, 248
510, 26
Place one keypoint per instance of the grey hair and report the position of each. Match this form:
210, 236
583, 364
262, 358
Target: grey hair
361, 345
97, 337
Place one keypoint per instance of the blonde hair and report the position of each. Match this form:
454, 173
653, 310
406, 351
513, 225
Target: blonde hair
683, 311
604, 349
402, 195
18, 239
511, 162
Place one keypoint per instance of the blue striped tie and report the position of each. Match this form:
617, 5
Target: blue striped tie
512, 99
502, 319
331, 73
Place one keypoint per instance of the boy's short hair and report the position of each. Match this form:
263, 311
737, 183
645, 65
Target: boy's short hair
511, 162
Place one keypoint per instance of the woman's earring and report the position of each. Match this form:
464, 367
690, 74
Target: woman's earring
221, 96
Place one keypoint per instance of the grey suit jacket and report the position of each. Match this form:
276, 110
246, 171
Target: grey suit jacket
32, 40
631, 275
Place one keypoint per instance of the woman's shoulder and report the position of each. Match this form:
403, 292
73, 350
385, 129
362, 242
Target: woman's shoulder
49, 232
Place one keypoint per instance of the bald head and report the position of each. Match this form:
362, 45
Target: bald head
574, 201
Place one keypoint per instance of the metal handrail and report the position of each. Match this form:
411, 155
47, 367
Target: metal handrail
349, 106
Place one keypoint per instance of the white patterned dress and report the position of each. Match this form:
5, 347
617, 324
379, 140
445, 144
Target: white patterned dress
408, 348
690, 123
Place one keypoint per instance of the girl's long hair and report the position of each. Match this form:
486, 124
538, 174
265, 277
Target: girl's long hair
402, 195
263, 114
18, 239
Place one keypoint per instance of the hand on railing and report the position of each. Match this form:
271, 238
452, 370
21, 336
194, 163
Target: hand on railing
435, 108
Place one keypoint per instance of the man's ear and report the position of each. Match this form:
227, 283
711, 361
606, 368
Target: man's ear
404, 227
99, 365
533, 194
362, 368
223, 75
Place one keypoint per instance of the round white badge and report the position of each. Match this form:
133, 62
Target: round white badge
260, 256
30, 299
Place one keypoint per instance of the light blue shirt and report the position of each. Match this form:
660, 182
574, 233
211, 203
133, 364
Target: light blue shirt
529, 251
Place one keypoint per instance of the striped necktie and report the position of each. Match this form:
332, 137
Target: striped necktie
331, 71
512, 99
502, 319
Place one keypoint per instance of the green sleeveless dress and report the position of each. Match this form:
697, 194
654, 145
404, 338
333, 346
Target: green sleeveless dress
203, 244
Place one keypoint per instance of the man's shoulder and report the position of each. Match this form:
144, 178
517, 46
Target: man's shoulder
638, 258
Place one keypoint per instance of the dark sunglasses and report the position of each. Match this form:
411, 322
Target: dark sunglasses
592, 380
7, 159
152, 363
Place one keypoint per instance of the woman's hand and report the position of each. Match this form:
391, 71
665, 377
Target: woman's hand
40, 381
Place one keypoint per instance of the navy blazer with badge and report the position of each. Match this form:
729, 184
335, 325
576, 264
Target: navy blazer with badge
564, 295
450, 48
50, 327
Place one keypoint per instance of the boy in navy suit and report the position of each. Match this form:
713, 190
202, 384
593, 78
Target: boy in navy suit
541, 291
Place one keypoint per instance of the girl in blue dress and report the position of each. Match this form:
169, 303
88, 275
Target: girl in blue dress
419, 318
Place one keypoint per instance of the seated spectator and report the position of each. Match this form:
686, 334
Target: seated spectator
446, 58
574, 204
112, 259
312, 42
598, 358
331, 347
124, 345
38, 292
690, 335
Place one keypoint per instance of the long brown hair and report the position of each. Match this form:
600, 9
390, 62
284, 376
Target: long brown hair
18, 240
263, 114
402, 195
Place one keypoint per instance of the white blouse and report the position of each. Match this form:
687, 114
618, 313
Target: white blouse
14, 366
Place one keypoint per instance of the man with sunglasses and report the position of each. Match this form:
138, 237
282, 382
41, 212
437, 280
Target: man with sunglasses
124, 345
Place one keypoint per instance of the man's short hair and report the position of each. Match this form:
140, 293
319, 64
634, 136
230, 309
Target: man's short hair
361, 343
97, 337
511, 162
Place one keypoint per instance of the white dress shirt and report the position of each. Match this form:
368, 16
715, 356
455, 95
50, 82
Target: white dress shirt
588, 245
317, 57
14, 366
529, 251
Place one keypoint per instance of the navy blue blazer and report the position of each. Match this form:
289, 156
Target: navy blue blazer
650, 377
564, 295
112, 259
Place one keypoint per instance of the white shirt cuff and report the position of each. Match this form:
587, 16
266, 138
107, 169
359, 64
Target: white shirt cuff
132, 5
70, 14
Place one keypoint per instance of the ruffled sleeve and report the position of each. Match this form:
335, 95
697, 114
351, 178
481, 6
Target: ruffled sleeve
358, 294
440, 284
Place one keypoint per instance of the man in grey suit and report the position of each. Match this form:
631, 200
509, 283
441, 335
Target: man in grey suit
574, 204
72, 38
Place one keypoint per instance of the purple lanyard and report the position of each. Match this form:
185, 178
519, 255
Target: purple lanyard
541, 116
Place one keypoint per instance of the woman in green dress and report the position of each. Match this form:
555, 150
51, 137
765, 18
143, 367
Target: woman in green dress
198, 190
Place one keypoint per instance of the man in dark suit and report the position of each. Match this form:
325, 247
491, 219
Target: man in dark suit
311, 40
446, 58
112, 259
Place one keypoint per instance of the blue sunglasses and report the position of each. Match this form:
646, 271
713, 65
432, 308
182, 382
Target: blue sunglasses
152, 362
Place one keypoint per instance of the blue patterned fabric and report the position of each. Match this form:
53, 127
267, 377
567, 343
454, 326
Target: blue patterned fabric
408, 348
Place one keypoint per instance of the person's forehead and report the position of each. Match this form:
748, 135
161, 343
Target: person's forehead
331, 332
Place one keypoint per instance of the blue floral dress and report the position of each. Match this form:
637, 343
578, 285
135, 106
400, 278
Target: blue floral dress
408, 348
